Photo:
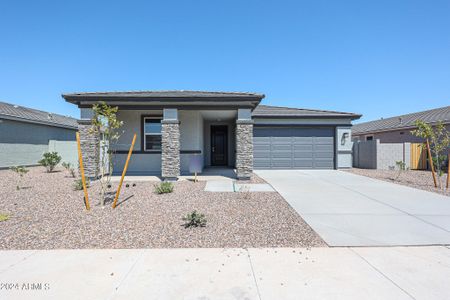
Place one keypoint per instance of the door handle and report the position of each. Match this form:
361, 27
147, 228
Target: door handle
212, 149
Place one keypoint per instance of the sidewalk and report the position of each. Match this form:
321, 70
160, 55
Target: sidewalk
274, 273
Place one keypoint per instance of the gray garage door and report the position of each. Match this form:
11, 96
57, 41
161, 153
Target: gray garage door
293, 148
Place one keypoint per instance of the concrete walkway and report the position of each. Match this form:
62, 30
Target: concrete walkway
284, 273
232, 186
351, 210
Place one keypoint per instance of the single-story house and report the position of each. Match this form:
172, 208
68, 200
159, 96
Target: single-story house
227, 129
26, 133
398, 129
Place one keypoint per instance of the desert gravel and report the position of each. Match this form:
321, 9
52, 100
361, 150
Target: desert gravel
49, 214
413, 178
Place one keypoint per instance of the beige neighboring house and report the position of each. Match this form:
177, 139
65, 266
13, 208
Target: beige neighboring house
382, 143
398, 129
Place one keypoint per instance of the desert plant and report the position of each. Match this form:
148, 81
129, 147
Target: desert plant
50, 160
401, 166
78, 184
106, 126
439, 139
21, 170
164, 188
4, 217
194, 219
69, 168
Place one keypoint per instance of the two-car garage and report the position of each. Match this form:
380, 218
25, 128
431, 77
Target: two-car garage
293, 147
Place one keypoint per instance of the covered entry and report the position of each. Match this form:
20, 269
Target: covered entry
293, 147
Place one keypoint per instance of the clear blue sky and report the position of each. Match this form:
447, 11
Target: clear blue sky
378, 58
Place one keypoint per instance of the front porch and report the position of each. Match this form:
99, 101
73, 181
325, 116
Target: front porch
208, 174
172, 127
169, 141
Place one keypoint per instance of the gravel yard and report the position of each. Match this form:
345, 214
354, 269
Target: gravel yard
413, 178
49, 214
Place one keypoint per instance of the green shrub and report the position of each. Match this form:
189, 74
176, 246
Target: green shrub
69, 168
164, 188
194, 219
21, 170
78, 184
4, 217
50, 160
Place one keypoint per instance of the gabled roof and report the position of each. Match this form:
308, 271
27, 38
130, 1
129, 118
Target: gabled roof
165, 96
431, 116
30, 115
267, 111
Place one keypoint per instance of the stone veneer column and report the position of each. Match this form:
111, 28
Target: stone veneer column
90, 148
244, 149
170, 145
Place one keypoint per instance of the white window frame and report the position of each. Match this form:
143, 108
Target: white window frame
152, 134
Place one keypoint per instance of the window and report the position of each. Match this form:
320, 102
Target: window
369, 137
152, 133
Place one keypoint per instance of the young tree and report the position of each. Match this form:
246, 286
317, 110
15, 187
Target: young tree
439, 140
106, 125
21, 171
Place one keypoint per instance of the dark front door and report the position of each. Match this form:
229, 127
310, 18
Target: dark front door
219, 144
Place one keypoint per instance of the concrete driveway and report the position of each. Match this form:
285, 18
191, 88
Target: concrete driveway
352, 210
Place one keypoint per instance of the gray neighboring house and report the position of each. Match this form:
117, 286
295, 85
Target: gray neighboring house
222, 129
26, 133
398, 129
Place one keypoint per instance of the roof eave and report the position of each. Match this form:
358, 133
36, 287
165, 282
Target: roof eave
52, 124
395, 128
273, 116
78, 99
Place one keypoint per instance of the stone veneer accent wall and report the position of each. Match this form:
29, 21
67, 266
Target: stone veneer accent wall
170, 149
89, 148
244, 149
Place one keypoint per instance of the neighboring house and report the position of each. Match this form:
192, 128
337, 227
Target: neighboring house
26, 133
382, 143
398, 129
225, 128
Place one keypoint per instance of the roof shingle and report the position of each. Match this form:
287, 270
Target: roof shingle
8, 110
278, 111
404, 121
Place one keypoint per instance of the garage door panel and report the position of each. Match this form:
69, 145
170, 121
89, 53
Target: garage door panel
303, 148
297, 147
303, 155
322, 155
282, 154
324, 148
303, 164
281, 163
281, 147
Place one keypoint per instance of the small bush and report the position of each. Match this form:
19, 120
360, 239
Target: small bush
69, 168
21, 171
194, 219
78, 184
4, 217
164, 188
50, 160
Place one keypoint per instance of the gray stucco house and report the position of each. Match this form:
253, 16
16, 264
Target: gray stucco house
398, 129
227, 129
25, 133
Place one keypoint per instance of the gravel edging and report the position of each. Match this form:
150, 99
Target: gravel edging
51, 215
413, 178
